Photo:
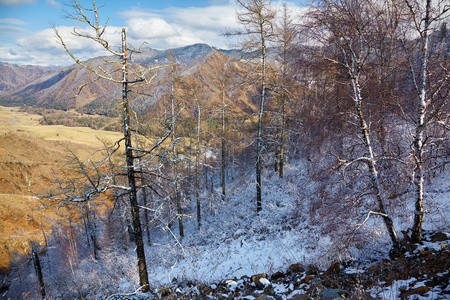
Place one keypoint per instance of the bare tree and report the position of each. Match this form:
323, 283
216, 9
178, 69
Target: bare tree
99, 183
345, 30
286, 34
432, 93
257, 18
174, 143
191, 93
223, 72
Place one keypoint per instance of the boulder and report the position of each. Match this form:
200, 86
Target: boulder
184, 283
260, 280
439, 237
421, 290
300, 297
334, 294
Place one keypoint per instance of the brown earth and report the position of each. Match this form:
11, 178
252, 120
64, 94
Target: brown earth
30, 156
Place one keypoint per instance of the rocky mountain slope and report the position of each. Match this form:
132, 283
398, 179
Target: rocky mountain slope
13, 76
59, 88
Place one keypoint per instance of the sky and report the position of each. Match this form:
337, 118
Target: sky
27, 35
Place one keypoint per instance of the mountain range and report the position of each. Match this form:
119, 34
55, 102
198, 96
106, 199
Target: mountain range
59, 87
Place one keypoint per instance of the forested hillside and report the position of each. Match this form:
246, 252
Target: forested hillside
315, 157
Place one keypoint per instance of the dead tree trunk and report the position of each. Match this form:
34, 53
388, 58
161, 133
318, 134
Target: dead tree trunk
143, 275
175, 153
223, 154
38, 269
260, 120
197, 166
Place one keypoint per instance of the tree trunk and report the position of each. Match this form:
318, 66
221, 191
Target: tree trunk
286, 40
260, 119
175, 157
371, 163
92, 229
223, 178
144, 190
143, 275
38, 269
416, 234
283, 137
197, 170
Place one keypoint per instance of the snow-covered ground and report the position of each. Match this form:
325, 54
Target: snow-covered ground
234, 240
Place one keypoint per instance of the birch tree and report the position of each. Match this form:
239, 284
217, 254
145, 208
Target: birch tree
431, 93
344, 29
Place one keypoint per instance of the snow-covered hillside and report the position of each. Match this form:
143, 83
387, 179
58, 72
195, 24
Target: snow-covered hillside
234, 241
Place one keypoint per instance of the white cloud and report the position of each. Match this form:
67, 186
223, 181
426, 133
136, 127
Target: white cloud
161, 29
180, 41
217, 18
12, 21
176, 27
8, 30
149, 28
17, 2
53, 4
42, 48
8, 34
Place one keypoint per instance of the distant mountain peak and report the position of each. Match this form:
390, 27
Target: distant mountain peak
57, 87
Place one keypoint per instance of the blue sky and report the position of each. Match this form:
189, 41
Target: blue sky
27, 37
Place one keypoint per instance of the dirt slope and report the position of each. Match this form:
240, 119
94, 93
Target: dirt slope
31, 154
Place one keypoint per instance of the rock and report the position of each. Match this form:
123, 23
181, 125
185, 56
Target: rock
133, 296
164, 291
184, 283
422, 290
275, 277
300, 297
260, 280
334, 294
313, 270
265, 297
296, 268
439, 237
268, 290
334, 268
231, 284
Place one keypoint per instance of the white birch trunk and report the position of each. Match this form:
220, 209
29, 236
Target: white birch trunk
371, 162
416, 234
